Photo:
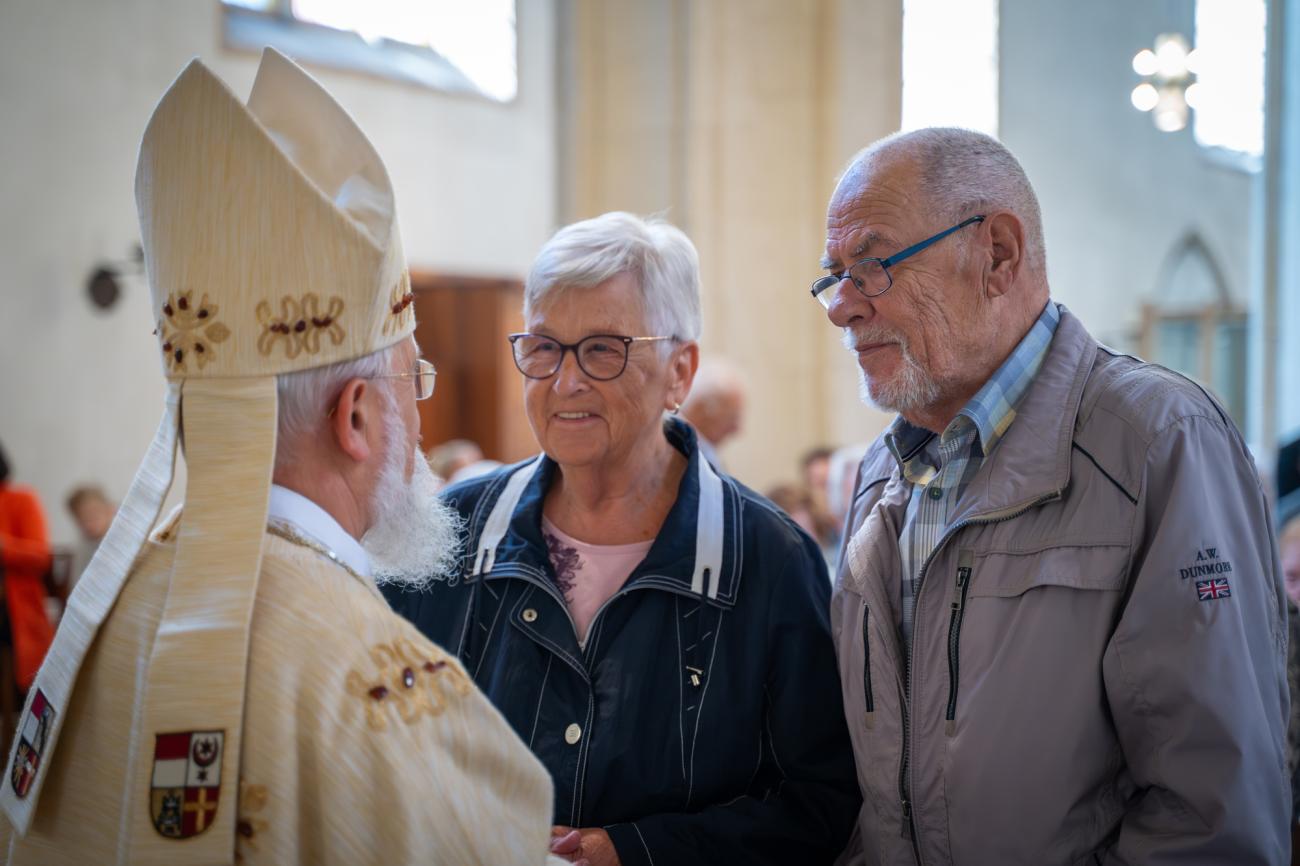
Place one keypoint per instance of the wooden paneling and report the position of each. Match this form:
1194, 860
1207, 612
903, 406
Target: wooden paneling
463, 323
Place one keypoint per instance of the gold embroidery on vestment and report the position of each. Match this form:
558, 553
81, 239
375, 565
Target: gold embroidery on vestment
252, 799
410, 684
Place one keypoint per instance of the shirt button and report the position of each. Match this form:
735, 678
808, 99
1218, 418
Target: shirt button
936, 493
530, 615
572, 734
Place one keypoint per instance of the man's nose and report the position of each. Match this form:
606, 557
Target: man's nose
847, 304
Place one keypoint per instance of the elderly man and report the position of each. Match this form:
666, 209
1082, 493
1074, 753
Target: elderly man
1059, 621
236, 687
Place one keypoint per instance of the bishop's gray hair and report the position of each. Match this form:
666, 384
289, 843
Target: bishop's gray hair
305, 396
659, 256
964, 173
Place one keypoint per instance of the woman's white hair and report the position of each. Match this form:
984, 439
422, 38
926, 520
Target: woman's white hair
963, 173
305, 396
659, 256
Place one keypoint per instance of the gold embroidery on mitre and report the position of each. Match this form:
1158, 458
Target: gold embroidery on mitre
300, 324
409, 684
399, 305
189, 331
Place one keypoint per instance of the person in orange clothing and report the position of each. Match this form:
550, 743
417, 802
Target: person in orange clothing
24, 558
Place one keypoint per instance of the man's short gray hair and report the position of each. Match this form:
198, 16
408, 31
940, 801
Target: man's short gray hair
963, 173
305, 396
659, 257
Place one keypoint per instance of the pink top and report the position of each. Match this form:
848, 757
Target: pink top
589, 574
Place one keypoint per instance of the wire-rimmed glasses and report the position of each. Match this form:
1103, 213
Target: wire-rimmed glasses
424, 374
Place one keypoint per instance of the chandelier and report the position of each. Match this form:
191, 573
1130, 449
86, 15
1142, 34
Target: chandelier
1168, 87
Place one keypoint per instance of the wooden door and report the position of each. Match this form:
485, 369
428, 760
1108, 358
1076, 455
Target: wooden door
462, 328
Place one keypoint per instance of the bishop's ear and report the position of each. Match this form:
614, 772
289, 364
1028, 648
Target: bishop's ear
355, 421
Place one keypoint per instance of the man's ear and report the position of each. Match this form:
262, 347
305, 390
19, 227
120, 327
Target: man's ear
1007, 243
686, 361
352, 420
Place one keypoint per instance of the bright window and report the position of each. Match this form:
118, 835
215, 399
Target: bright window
1229, 65
950, 64
447, 44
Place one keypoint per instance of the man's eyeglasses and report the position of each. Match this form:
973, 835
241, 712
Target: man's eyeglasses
600, 356
424, 374
871, 276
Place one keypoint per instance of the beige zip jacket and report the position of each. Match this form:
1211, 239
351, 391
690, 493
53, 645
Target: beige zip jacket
1098, 666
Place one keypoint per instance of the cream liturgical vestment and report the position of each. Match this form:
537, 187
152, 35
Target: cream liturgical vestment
363, 742
233, 687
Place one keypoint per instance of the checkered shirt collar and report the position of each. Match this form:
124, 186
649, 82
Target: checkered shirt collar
989, 413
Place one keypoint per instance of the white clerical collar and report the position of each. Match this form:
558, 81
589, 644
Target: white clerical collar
309, 519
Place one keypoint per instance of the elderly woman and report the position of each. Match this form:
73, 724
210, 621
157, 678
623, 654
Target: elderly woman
656, 632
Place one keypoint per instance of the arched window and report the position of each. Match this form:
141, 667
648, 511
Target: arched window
1193, 326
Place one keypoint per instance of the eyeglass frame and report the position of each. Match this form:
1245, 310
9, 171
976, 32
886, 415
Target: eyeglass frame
821, 285
565, 348
422, 368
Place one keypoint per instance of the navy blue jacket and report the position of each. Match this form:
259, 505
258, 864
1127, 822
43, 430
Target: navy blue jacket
694, 729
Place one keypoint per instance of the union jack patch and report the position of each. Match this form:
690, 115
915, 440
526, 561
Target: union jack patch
1208, 590
32, 736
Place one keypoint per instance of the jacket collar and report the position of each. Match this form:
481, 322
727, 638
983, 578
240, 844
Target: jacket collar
670, 563
1032, 461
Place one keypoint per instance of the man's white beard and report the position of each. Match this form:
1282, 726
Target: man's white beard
910, 388
415, 539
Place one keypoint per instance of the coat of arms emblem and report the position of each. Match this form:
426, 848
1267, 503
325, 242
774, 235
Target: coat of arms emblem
186, 782
32, 737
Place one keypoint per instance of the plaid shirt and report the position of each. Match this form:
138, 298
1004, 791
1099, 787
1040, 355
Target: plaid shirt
940, 467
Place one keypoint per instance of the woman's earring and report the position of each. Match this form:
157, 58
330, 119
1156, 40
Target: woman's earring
677, 407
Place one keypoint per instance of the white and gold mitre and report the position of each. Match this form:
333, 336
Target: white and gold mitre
271, 245
269, 229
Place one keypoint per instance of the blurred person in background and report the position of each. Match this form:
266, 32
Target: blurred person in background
814, 469
93, 513
26, 630
655, 631
452, 456
804, 509
715, 407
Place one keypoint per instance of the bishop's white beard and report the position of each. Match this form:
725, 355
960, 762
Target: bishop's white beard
415, 539
910, 388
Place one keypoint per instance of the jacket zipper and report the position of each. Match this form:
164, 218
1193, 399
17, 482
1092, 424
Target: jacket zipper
866, 662
965, 559
904, 765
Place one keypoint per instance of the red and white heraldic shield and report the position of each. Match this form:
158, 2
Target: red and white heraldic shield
186, 782
32, 736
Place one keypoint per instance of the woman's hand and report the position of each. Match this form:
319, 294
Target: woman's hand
589, 845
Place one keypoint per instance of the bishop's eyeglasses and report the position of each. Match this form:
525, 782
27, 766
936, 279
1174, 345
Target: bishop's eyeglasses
871, 276
424, 374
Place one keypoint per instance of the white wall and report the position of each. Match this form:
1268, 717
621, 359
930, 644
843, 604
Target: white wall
1117, 194
81, 390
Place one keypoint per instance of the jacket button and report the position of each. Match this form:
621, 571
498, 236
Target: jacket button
572, 734
936, 493
530, 615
